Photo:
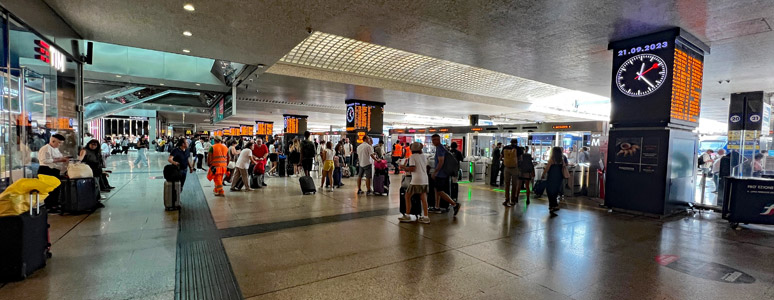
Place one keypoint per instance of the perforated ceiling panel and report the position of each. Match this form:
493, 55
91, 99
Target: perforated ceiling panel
332, 52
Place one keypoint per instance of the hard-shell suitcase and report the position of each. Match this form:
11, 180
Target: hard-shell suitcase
307, 185
379, 187
172, 192
416, 203
345, 172
25, 245
79, 195
282, 167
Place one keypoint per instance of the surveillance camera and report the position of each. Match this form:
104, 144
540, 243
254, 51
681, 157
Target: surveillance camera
720, 81
251, 80
309, 30
728, 80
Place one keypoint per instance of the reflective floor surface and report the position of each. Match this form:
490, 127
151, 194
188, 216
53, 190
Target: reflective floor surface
278, 244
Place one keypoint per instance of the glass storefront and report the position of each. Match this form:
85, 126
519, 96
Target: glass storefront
40, 88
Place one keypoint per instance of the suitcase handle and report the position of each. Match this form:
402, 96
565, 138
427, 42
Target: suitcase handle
37, 201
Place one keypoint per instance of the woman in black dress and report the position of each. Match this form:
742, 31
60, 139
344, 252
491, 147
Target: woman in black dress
295, 156
554, 175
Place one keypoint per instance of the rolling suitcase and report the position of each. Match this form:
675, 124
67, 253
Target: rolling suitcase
25, 245
172, 195
79, 195
379, 188
282, 167
416, 203
307, 185
254, 184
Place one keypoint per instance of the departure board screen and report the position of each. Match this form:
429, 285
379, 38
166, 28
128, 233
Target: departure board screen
245, 130
291, 125
686, 86
364, 116
264, 128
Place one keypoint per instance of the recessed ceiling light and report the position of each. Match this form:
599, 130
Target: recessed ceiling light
187, 33
186, 51
189, 7
119, 76
198, 84
161, 83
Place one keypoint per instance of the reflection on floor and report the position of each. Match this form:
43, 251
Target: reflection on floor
337, 245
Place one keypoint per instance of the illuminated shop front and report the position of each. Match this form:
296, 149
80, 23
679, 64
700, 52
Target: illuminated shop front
41, 87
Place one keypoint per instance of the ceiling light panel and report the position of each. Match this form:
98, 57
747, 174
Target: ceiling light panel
332, 52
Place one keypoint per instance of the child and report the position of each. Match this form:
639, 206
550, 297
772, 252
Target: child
417, 166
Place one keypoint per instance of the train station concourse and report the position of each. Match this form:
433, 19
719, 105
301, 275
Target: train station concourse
226, 149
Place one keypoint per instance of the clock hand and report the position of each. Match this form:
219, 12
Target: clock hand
642, 68
655, 65
639, 75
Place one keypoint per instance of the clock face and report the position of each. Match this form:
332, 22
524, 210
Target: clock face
641, 75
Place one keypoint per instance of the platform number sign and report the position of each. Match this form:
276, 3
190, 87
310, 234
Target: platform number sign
735, 119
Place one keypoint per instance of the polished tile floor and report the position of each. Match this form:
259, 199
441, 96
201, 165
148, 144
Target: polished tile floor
335, 245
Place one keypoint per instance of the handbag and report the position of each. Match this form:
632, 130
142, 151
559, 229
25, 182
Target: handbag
565, 172
79, 170
231, 165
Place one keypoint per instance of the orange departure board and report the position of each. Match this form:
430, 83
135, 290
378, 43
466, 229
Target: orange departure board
245, 130
264, 128
291, 125
686, 87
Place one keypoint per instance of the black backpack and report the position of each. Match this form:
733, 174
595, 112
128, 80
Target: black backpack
525, 165
701, 160
450, 164
172, 173
307, 149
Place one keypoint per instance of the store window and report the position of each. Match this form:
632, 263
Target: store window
40, 86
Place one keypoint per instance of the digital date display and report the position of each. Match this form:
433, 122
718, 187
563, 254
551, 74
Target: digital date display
645, 48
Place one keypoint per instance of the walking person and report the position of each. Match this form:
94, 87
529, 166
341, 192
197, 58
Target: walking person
327, 165
495, 171
218, 160
417, 167
242, 165
125, 145
142, 148
397, 153
307, 153
365, 153
554, 174
200, 151
338, 161
295, 157
440, 178
511, 171
181, 157
261, 154
526, 172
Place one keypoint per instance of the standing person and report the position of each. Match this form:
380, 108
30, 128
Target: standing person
295, 157
242, 165
716, 169
206, 144
347, 152
261, 153
52, 163
406, 151
338, 161
397, 153
495, 172
365, 153
125, 145
526, 172
200, 150
327, 165
233, 154
417, 166
583, 155
218, 161
180, 157
142, 148
706, 161
379, 149
757, 170
554, 174
274, 159
440, 178
511, 170
307, 153
105, 149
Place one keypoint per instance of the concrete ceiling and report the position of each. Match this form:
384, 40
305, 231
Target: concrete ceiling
562, 43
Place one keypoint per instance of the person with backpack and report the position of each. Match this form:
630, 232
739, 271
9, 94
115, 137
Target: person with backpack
307, 153
443, 167
526, 172
511, 171
417, 167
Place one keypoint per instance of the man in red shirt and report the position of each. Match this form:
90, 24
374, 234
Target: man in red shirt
260, 152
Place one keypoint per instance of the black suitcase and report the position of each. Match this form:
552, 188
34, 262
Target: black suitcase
25, 244
290, 170
431, 196
254, 184
307, 185
79, 195
416, 203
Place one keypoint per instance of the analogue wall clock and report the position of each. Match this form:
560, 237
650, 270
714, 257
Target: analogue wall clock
641, 75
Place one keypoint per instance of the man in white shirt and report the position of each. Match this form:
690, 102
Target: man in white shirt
200, 153
707, 157
52, 163
347, 152
242, 165
365, 153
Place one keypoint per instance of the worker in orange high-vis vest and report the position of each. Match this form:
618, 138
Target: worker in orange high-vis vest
397, 153
218, 161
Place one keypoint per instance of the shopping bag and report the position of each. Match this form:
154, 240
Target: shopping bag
79, 170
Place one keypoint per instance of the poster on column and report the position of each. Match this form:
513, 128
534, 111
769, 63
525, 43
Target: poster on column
628, 153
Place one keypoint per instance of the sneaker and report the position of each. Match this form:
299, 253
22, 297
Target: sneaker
406, 219
359, 192
457, 208
424, 220
507, 203
438, 210
369, 193
263, 184
235, 190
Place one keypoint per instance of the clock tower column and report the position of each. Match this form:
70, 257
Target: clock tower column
656, 100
